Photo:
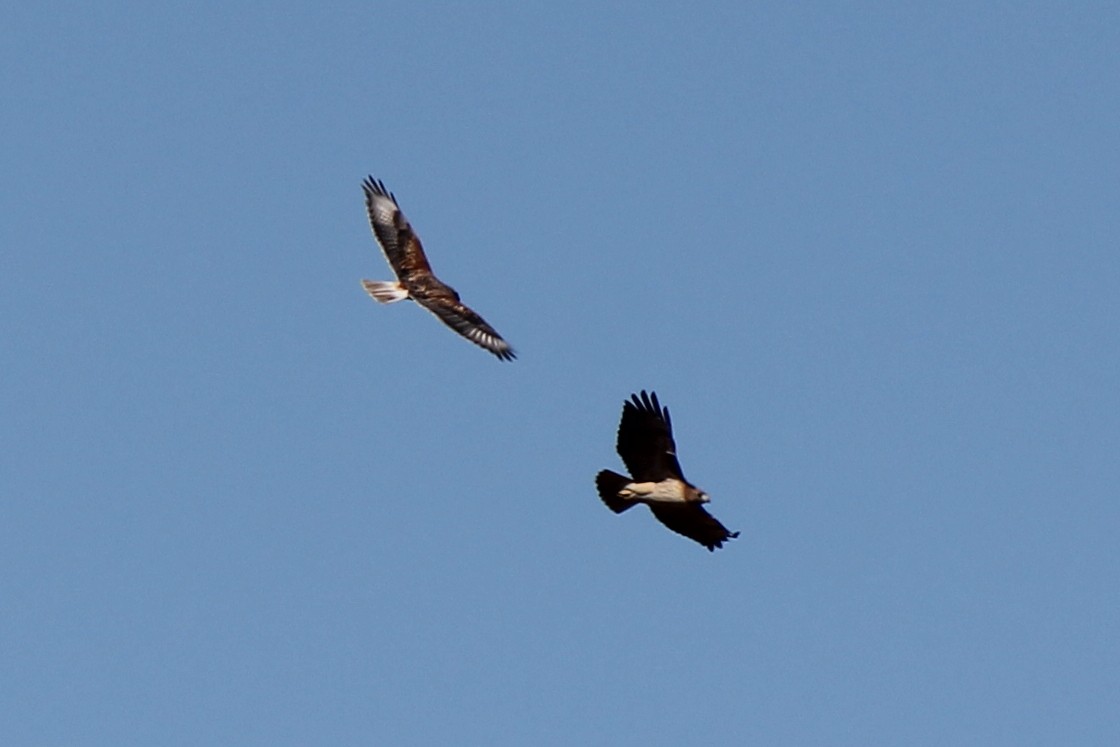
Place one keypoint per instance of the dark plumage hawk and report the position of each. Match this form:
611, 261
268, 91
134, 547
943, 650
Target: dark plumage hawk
645, 443
415, 280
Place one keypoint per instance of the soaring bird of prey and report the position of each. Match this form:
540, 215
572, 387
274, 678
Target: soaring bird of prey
645, 443
415, 280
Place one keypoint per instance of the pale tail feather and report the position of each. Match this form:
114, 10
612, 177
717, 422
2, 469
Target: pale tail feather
384, 291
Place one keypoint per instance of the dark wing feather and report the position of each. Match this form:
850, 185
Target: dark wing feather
691, 520
645, 439
465, 321
397, 239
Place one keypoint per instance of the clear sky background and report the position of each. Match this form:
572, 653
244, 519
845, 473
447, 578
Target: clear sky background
868, 254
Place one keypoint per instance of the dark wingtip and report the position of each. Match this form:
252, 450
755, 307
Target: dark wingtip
641, 400
373, 186
648, 402
719, 543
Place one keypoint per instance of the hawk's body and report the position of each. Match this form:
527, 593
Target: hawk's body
415, 280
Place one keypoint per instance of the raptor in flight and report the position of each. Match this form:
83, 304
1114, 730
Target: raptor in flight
645, 443
415, 279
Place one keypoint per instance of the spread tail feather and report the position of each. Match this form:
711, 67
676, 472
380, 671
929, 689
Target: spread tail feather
610, 484
384, 291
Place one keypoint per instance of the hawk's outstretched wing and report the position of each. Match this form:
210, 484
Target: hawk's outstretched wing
397, 239
466, 322
691, 520
645, 440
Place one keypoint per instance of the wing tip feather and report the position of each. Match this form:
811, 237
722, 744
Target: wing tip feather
376, 188
718, 543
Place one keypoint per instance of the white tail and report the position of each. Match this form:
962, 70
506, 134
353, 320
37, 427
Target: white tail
384, 291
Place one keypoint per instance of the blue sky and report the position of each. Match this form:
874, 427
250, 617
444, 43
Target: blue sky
866, 254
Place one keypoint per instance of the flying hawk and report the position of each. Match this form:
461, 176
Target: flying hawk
645, 443
415, 280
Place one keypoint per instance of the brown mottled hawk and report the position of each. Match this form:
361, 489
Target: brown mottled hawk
645, 443
415, 280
